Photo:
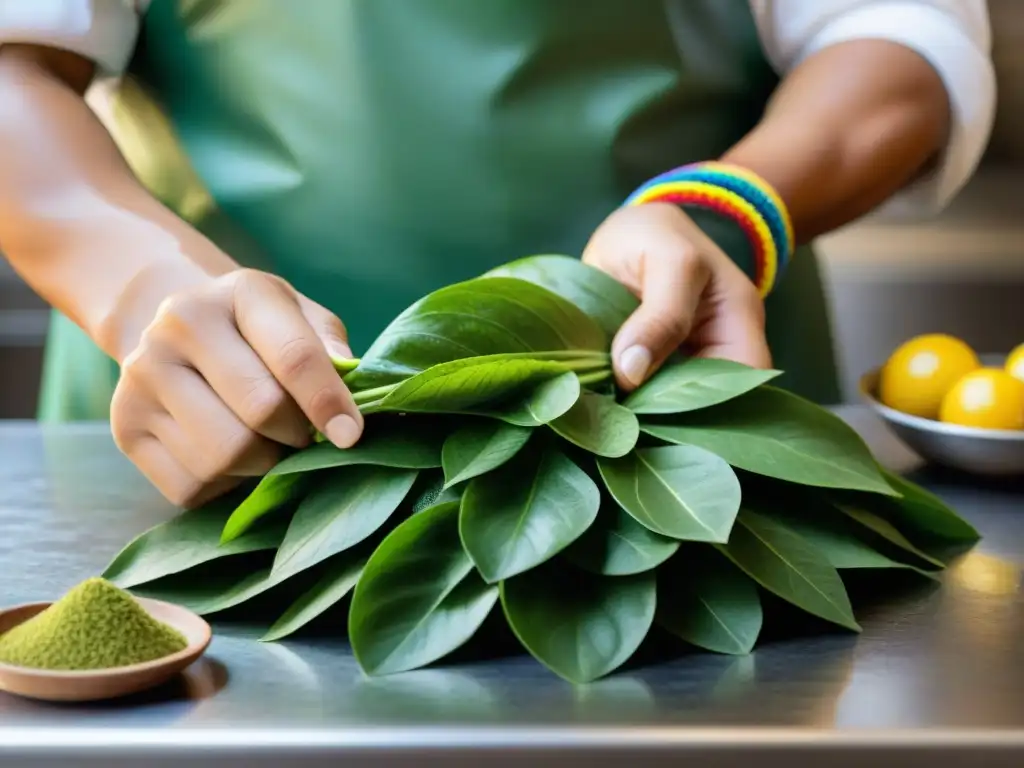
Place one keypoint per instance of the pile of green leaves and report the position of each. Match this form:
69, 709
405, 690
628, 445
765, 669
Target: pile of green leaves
499, 466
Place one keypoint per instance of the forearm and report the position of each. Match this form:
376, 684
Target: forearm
74, 221
847, 128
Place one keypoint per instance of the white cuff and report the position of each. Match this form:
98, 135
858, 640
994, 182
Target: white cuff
959, 52
103, 31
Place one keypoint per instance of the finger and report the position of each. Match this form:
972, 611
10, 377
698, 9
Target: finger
248, 388
133, 409
671, 289
737, 334
174, 481
200, 332
271, 322
328, 327
202, 433
130, 407
254, 461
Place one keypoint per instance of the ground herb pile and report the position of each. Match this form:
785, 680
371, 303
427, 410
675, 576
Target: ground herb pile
500, 465
95, 626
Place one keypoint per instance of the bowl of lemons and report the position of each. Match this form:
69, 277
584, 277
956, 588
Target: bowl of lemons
953, 406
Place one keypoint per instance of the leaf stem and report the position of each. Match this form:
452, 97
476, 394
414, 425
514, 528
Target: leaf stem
369, 396
578, 361
591, 367
370, 406
587, 364
566, 354
596, 377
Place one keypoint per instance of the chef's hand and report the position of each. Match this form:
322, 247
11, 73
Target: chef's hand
692, 295
228, 372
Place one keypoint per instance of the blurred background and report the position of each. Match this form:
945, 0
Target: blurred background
962, 273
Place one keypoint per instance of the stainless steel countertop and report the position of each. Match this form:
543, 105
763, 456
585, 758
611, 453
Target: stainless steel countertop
937, 678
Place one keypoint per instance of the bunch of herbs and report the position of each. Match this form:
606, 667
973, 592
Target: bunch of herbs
500, 466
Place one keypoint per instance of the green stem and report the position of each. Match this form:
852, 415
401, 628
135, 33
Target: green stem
366, 399
367, 396
573, 356
578, 361
596, 377
587, 364
565, 354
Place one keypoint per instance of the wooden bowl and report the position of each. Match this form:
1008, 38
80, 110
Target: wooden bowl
95, 685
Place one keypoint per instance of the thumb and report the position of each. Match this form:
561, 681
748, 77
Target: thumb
670, 294
329, 329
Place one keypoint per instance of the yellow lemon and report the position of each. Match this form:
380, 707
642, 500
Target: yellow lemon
1015, 363
988, 398
921, 371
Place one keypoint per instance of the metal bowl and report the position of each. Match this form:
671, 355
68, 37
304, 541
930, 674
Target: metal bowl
984, 452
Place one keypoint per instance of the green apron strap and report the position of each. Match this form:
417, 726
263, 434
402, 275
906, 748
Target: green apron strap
78, 378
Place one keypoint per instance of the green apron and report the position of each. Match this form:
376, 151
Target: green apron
370, 151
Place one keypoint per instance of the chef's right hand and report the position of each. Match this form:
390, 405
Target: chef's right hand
228, 372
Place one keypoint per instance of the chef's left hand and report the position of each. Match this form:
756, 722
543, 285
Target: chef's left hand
692, 295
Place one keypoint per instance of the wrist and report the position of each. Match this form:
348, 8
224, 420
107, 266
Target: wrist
739, 197
109, 275
138, 264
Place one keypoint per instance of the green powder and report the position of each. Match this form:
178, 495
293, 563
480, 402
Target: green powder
95, 626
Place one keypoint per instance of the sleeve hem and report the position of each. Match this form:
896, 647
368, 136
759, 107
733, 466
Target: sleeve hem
103, 31
967, 73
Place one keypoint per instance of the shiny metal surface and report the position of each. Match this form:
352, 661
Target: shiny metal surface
983, 452
936, 679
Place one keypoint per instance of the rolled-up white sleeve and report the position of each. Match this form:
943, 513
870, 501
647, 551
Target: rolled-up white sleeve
104, 31
954, 36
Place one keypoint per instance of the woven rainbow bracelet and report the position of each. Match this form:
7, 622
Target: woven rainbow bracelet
739, 194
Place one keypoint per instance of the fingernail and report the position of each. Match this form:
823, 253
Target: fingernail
634, 363
343, 431
338, 350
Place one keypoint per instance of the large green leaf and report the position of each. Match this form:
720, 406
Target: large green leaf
775, 433
344, 509
694, 383
887, 532
596, 423
918, 513
206, 590
419, 597
484, 316
273, 493
704, 599
231, 582
835, 537
579, 625
617, 545
341, 573
601, 296
545, 403
683, 492
190, 539
784, 563
480, 446
525, 512
386, 442
403, 443
468, 384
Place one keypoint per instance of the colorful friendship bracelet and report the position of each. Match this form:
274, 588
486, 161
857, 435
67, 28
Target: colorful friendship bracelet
739, 194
